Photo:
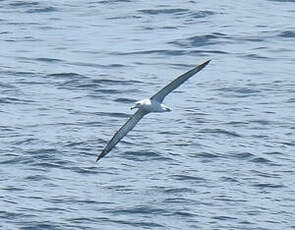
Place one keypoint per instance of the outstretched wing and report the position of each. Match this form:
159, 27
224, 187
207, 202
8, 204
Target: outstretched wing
160, 95
129, 125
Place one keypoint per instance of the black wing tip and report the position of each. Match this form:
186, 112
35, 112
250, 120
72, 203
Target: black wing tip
98, 157
204, 64
103, 153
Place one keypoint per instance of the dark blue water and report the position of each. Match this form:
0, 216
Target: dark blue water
223, 159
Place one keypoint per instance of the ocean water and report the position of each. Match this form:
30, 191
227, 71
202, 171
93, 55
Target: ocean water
222, 159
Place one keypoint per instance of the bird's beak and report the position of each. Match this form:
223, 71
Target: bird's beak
133, 107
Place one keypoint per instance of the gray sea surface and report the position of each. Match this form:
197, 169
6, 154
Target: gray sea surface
222, 159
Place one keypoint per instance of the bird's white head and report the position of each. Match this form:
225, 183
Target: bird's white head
138, 104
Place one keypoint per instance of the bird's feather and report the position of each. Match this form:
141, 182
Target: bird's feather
160, 95
156, 100
129, 125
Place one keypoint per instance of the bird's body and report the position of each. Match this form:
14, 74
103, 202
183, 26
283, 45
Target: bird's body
153, 104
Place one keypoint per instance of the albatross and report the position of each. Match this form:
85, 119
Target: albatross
149, 105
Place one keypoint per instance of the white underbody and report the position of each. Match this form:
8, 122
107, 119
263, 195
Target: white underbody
151, 106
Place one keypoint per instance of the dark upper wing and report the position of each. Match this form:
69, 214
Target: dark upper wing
129, 125
160, 95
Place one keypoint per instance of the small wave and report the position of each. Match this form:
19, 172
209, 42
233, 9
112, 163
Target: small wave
124, 115
112, 1
291, 100
168, 27
124, 17
260, 160
237, 123
12, 160
178, 200
189, 178
139, 210
6, 128
138, 224
220, 131
36, 178
287, 34
290, 143
241, 90
23, 24
268, 185
46, 28
179, 190
95, 65
48, 9
44, 166
242, 155
183, 214
190, 14
20, 73
14, 100
168, 133
84, 171
256, 56
224, 218
160, 52
271, 175
200, 40
228, 179
50, 60
206, 155
282, 0
273, 153
23, 4
261, 122
202, 14
77, 220
26, 141
12, 188
141, 155
108, 91
45, 153
65, 75
177, 11
41, 225
207, 52
115, 82
172, 52
70, 80
125, 100
7, 86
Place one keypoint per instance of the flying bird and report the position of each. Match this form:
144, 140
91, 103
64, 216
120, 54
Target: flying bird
153, 104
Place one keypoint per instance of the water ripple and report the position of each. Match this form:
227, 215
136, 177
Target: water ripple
221, 131
68, 74
47, 9
287, 34
200, 40
177, 11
